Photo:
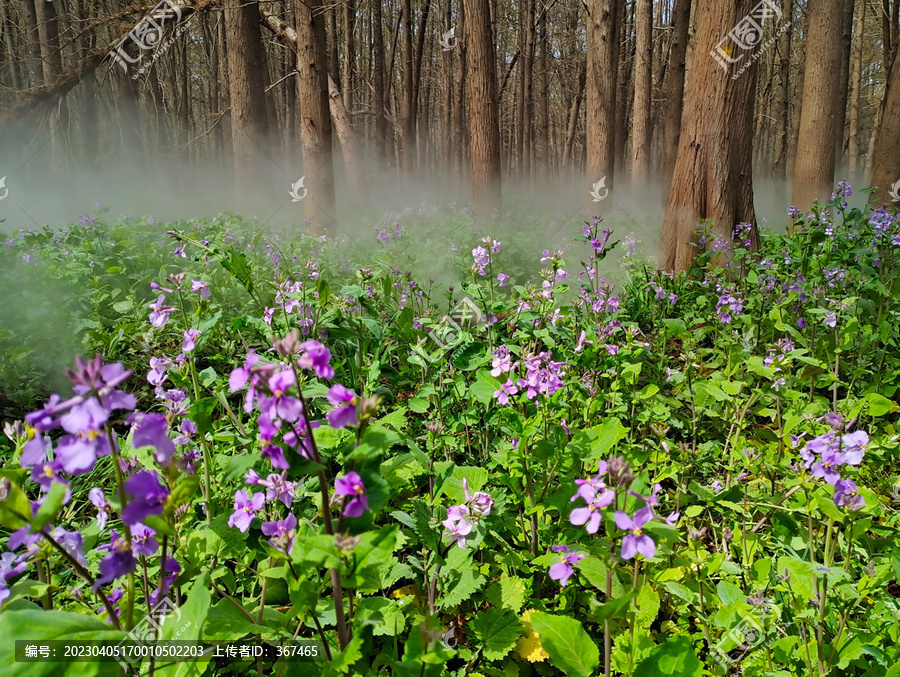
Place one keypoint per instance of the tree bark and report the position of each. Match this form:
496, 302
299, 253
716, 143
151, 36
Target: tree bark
814, 169
853, 141
782, 97
408, 140
675, 89
840, 103
712, 178
315, 120
379, 104
354, 166
643, 85
484, 114
600, 88
246, 65
886, 160
349, 55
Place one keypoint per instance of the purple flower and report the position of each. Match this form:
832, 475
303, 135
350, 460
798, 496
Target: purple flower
173, 568
78, 451
200, 286
351, 485
636, 541
281, 405
590, 515
717, 486
148, 497
507, 389
502, 278
239, 377
190, 340
47, 473
502, 363
482, 260
119, 562
315, 356
344, 415
158, 370
562, 571
846, 495
278, 487
282, 533
830, 319
853, 446
161, 312
826, 466
245, 509
96, 497
152, 430
459, 527
72, 543
187, 428
480, 503
142, 540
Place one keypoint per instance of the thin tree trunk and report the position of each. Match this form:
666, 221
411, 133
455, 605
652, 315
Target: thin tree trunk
643, 85
853, 141
600, 87
408, 140
484, 115
840, 103
814, 169
246, 66
782, 93
681, 19
349, 56
315, 120
354, 166
572, 126
378, 95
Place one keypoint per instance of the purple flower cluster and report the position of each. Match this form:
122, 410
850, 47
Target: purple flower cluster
826, 454
728, 307
462, 519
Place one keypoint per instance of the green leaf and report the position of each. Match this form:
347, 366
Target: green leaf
225, 622
484, 387
507, 593
208, 376
571, 649
187, 625
497, 630
15, 510
595, 443
418, 405
460, 587
879, 405
201, 413
236, 264
384, 615
647, 603
34, 625
375, 442
47, 512
675, 658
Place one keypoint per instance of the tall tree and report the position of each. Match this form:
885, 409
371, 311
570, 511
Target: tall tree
886, 160
814, 168
856, 96
600, 86
681, 18
379, 101
408, 113
782, 98
246, 75
484, 114
643, 85
712, 178
315, 118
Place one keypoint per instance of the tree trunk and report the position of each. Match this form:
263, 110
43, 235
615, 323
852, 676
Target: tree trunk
853, 141
408, 141
782, 97
543, 164
349, 56
484, 114
572, 126
246, 65
354, 166
459, 104
712, 178
315, 120
48, 31
840, 110
33, 40
600, 87
814, 169
886, 161
681, 19
378, 95
643, 84
526, 101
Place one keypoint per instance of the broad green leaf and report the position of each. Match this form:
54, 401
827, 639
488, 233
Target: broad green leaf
507, 593
596, 443
460, 586
36, 624
571, 649
484, 387
15, 510
384, 615
225, 622
497, 631
187, 625
647, 603
675, 658
879, 405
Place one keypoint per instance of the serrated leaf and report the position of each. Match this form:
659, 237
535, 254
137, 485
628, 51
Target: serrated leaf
507, 593
596, 443
460, 586
384, 615
647, 604
497, 631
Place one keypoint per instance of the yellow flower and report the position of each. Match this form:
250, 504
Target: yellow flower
529, 646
